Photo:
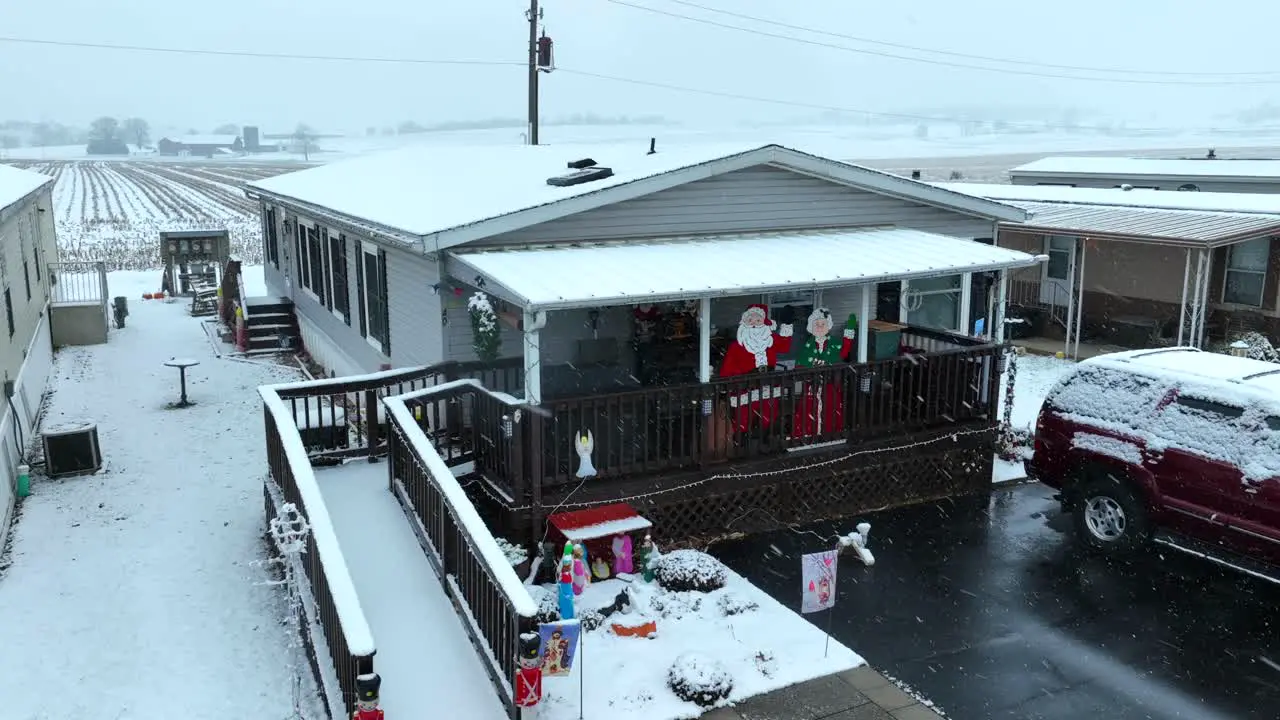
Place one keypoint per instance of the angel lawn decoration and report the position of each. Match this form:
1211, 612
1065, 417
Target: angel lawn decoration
584, 445
755, 350
821, 406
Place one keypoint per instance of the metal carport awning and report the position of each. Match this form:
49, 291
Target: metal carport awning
684, 268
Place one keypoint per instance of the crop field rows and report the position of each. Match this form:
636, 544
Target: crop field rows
115, 210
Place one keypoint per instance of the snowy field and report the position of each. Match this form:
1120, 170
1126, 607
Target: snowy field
138, 592
115, 210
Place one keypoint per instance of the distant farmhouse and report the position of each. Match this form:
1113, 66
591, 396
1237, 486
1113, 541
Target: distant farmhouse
201, 145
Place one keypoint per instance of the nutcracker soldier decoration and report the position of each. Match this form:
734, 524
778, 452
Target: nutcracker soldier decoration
755, 350
367, 687
821, 406
528, 671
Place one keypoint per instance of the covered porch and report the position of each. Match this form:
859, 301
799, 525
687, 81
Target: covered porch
1129, 278
646, 325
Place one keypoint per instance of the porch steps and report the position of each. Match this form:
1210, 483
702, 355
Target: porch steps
272, 325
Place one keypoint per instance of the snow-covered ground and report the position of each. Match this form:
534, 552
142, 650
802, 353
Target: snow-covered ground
137, 592
1034, 378
761, 644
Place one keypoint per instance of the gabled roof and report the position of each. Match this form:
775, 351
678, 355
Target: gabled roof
204, 139
1158, 216
1261, 170
448, 195
16, 184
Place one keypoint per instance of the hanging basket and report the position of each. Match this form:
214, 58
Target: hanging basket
486, 337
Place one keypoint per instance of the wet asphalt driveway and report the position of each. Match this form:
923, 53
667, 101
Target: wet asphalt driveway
986, 609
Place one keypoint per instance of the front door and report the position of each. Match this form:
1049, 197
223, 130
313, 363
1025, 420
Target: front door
1056, 275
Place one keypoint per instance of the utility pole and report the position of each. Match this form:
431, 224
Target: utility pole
534, 14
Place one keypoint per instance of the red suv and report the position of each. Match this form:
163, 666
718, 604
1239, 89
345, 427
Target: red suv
1176, 446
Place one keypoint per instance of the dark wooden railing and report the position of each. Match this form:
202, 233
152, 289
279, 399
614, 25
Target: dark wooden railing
344, 417
695, 425
336, 605
494, 604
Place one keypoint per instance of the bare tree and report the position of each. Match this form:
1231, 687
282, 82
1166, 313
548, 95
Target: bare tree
137, 130
227, 129
304, 138
105, 128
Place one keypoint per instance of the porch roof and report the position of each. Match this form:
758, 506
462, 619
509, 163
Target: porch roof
683, 268
1154, 216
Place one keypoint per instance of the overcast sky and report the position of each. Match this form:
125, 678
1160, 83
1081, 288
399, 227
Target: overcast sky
73, 85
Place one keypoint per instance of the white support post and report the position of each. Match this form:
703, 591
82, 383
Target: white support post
1002, 301
704, 340
864, 322
533, 357
1075, 350
966, 304
1182, 309
1071, 298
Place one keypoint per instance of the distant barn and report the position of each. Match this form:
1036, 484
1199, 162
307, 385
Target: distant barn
201, 145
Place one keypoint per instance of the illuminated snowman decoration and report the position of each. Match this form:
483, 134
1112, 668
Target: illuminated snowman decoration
584, 445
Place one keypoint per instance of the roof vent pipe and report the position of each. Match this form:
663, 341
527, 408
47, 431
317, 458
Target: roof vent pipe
915, 174
653, 146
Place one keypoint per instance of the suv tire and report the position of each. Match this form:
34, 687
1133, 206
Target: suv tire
1109, 515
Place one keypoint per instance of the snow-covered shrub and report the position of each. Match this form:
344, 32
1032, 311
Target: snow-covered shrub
548, 604
514, 553
486, 337
690, 570
699, 679
674, 605
766, 663
590, 619
734, 604
1260, 348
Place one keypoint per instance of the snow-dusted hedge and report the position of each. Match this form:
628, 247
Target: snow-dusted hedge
699, 679
515, 554
734, 604
690, 570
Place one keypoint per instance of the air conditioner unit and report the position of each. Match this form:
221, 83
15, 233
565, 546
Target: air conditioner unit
71, 449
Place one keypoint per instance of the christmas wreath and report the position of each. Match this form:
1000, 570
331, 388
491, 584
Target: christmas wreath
485, 335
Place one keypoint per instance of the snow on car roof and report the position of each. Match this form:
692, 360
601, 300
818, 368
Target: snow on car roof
1248, 380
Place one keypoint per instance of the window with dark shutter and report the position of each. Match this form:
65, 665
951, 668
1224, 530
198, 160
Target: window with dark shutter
26, 276
326, 286
338, 265
8, 311
385, 302
363, 304
270, 233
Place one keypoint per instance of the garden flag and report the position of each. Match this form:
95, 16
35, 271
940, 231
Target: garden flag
559, 645
818, 579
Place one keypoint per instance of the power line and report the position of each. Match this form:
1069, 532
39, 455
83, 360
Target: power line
848, 110
568, 71
251, 54
928, 61
969, 56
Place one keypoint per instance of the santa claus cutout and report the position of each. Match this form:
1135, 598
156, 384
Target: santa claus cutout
755, 350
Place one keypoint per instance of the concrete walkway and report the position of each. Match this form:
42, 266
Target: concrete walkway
858, 694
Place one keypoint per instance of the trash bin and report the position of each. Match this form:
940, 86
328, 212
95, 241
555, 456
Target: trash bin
121, 310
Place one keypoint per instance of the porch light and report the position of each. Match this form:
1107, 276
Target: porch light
1240, 348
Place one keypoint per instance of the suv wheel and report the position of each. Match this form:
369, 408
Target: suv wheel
1109, 515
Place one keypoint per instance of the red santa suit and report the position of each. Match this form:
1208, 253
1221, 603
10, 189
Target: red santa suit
755, 351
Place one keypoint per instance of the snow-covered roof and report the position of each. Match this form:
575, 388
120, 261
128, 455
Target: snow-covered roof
16, 183
204, 139
448, 195
1171, 218
680, 268
1137, 198
1261, 170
